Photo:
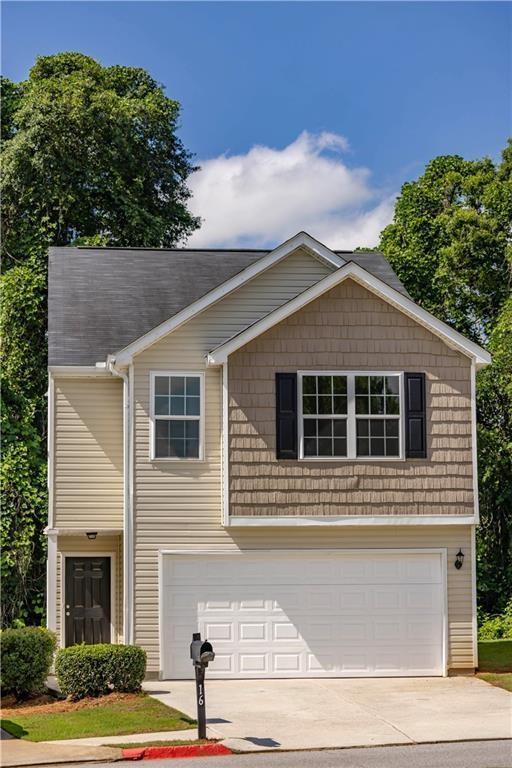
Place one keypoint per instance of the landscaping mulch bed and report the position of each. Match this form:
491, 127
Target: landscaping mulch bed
45, 704
44, 718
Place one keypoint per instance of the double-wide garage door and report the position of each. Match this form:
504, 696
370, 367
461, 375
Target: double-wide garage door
305, 613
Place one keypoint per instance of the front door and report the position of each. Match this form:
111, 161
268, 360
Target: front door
87, 600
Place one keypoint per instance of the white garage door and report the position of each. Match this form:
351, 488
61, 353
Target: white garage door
304, 613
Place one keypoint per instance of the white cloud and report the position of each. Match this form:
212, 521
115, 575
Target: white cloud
266, 195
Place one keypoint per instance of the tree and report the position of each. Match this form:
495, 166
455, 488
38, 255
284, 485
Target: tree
451, 245
450, 240
494, 401
89, 155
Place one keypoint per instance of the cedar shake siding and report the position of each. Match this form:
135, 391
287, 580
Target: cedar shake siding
350, 329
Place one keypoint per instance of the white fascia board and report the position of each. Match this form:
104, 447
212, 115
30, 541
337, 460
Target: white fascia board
80, 371
301, 240
79, 531
351, 520
451, 337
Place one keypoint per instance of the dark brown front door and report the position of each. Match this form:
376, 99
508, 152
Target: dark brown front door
87, 600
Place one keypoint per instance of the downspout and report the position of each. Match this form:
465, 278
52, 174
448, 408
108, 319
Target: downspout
127, 504
476, 503
51, 562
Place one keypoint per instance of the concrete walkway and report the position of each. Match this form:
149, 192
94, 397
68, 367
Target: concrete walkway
137, 738
312, 714
16, 752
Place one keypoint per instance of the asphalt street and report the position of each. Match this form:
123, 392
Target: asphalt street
473, 754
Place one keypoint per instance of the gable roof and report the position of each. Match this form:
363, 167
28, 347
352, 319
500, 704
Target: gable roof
451, 337
102, 300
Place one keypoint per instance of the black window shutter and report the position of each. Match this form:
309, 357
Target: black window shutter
415, 416
286, 415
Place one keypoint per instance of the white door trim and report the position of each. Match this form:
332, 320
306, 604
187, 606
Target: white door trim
441, 551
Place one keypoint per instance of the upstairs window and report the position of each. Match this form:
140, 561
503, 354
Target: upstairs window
177, 411
377, 406
350, 415
324, 407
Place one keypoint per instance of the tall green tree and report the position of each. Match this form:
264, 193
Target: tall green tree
450, 243
494, 402
90, 154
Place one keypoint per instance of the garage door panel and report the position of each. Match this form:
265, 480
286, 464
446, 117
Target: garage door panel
287, 628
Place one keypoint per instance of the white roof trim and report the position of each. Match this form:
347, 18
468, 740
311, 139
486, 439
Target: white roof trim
451, 337
71, 371
300, 240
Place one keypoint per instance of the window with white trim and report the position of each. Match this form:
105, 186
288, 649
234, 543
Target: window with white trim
324, 409
177, 412
351, 415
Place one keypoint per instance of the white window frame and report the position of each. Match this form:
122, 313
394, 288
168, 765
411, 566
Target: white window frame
351, 416
154, 417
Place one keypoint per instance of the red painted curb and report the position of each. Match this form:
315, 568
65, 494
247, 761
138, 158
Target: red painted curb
183, 750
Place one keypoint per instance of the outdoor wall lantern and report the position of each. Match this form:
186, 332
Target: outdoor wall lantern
459, 559
91, 535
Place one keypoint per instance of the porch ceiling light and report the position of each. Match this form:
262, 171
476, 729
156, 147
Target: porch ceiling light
91, 535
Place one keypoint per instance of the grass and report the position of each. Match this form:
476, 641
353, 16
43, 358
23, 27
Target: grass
113, 715
176, 743
495, 663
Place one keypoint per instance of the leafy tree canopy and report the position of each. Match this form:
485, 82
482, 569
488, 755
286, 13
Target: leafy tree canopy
91, 151
450, 240
89, 155
451, 245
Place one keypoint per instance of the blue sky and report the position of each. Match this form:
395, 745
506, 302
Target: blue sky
327, 107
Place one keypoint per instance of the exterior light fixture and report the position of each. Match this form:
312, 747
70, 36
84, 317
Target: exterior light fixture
459, 559
91, 535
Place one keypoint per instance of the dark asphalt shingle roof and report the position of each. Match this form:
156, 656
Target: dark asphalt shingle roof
101, 299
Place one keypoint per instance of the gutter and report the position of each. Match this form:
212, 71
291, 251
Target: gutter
127, 377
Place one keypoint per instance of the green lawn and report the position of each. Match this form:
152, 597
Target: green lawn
175, 743
495, 662
136, 714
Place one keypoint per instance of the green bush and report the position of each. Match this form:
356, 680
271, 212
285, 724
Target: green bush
496, 627
26, 659
95, 670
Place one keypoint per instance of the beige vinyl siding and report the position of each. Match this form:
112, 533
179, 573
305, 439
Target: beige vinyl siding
88, 454
177, 505
203, 535
349, 328
174, 499
81, 545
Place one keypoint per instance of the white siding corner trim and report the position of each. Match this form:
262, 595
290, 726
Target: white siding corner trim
225, 444
51, 582
474, 441
128, 448
474, 595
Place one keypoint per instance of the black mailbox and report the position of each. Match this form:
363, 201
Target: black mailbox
201, 651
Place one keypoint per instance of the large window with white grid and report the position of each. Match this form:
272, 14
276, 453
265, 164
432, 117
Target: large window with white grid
350, 415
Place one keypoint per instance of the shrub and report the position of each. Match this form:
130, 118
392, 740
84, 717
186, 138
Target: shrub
26, 659
496, 627
95, 670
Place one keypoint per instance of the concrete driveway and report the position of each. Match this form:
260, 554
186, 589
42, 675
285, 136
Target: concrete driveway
302, 714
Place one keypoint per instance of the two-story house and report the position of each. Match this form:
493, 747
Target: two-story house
275, 448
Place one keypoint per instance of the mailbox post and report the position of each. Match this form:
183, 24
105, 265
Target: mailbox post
201, 654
